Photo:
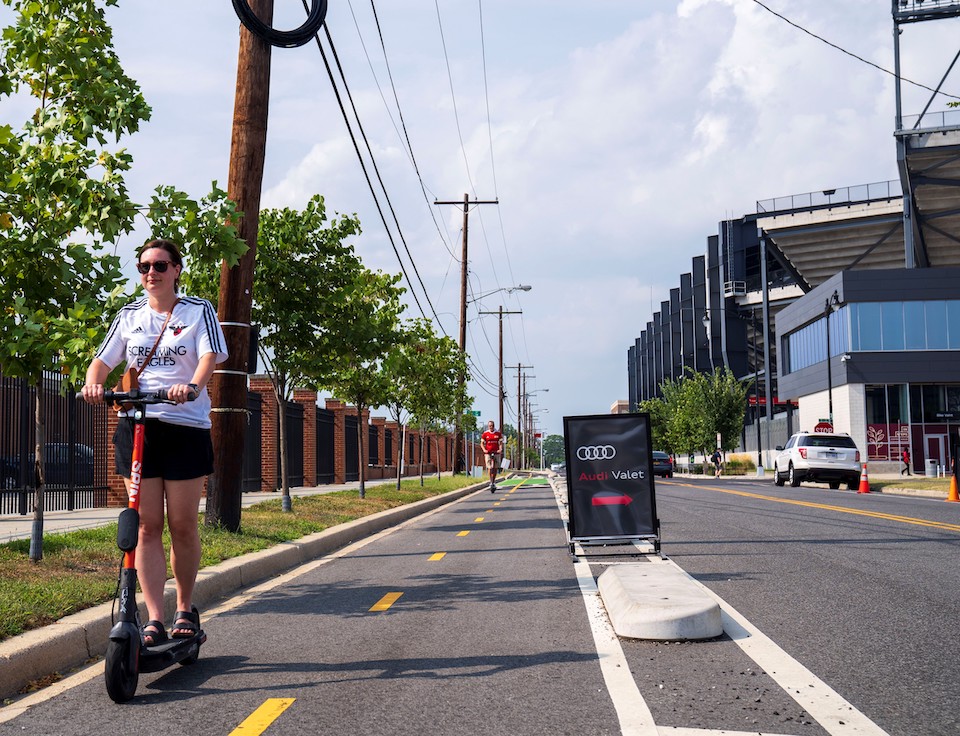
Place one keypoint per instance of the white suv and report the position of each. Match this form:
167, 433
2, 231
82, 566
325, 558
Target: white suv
817, 456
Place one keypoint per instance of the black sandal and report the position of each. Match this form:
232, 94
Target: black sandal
188, 624
153, 638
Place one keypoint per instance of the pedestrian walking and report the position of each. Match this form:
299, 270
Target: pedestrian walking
716, 459
492, 440
905, 459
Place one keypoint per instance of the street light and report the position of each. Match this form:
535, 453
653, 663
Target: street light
830, 305
508, 289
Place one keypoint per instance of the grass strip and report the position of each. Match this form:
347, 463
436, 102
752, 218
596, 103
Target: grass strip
79, 568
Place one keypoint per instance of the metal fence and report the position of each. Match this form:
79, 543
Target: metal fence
351, 447
325, 448
373, 437
862, 193
294, 441
76, 458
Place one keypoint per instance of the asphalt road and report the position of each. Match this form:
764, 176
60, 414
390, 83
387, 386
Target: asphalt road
863, 589
471, 620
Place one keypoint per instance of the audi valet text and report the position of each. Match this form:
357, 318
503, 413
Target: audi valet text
605, 452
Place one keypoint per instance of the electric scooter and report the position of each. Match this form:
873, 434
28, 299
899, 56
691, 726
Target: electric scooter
127, 655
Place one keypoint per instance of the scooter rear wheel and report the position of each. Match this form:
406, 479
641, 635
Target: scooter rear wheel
121, 682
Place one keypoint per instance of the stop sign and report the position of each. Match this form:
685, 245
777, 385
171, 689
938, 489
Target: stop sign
823, 427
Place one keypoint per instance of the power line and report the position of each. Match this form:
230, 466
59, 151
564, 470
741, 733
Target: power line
404, 137
850, 53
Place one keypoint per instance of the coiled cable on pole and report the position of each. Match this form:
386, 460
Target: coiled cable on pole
283, 39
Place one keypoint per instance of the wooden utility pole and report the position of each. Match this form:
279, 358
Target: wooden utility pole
500, 313
520, 368
457, 452
229, 383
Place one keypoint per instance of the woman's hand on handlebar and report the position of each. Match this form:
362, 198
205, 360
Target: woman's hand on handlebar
179, 393
92, 393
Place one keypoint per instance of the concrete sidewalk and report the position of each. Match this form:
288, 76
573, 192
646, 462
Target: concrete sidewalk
55, 522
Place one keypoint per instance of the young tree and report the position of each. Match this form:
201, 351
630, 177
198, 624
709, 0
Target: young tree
401, 367
305, 273
367, 328
63, 197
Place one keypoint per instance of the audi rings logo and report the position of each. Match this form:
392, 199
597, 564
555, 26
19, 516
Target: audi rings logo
596, 452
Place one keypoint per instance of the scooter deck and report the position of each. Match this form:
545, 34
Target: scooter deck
161, 656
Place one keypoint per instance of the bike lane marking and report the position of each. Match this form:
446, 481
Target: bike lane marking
259, 721
840, 509
384, 603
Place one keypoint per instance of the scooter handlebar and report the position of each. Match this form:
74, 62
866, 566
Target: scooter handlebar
136, 396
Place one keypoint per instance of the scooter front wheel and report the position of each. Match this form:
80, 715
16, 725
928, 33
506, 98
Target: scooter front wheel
121, 673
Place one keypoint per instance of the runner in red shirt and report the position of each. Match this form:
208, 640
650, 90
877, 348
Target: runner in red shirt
492, 441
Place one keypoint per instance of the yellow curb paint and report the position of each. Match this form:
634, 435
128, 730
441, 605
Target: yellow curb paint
260, 720
479, 518
463, 533
384, 603
436, 556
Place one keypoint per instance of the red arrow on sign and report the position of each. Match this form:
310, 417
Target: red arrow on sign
611, 500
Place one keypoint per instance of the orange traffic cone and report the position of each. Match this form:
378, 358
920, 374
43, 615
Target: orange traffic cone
864, 483
953, 495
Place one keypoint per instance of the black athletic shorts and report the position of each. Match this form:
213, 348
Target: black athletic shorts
170, 451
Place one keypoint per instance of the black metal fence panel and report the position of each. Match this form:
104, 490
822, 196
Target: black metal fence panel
252, 440
373, 436
325, 451
77, 456
387, 446
294, 442
351, 446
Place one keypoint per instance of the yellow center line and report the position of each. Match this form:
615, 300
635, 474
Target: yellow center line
384, 603
497, 503
260, 720
840, 509
463, 533
479, 518
436, 556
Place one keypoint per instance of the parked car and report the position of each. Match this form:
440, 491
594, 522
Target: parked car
817, 456
662, 464
56, 463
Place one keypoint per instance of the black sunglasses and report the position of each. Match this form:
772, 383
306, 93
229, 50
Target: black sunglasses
158, 266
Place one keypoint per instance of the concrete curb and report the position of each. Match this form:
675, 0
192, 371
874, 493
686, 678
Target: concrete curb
657, 601
75, 639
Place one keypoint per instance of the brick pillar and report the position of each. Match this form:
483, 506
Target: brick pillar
116, 490
269, 441
308, 400
339, 450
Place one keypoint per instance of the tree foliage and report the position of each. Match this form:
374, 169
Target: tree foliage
694, 408
367, 328
63, 199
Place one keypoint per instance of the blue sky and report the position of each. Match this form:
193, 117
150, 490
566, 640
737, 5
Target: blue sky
621, 133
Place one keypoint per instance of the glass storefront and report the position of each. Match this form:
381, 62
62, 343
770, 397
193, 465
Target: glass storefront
914, 417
